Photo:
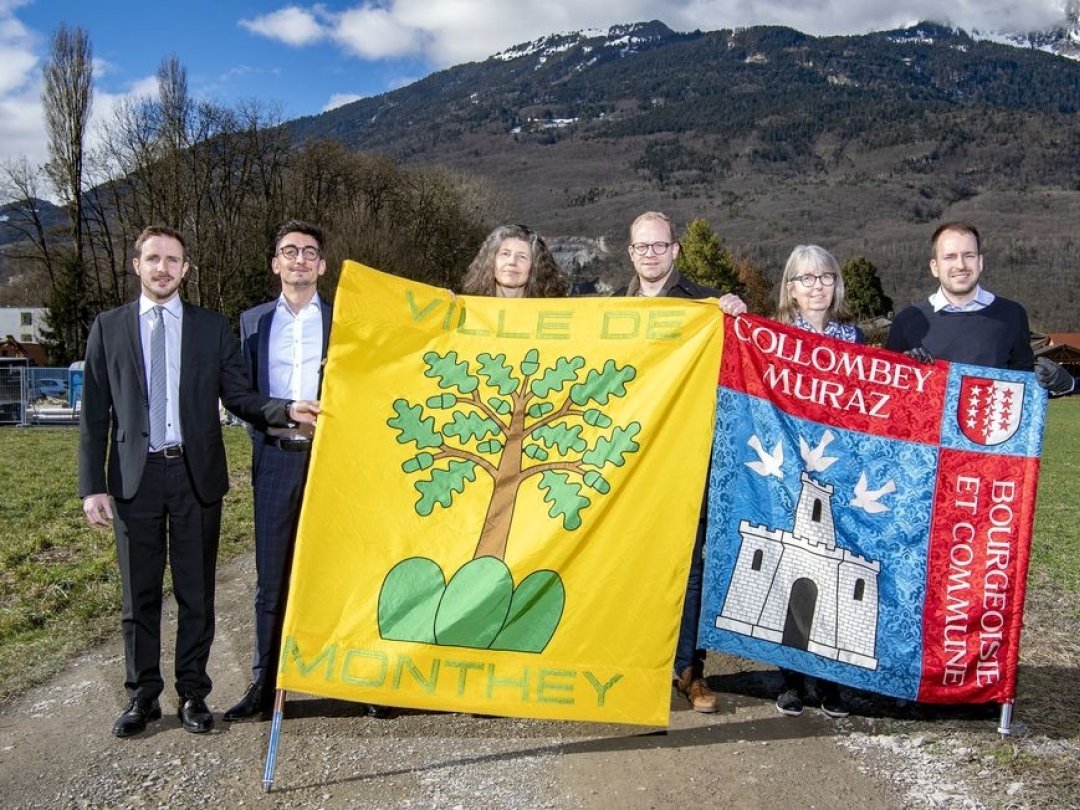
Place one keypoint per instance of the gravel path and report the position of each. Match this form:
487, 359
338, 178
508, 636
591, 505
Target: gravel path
56, 750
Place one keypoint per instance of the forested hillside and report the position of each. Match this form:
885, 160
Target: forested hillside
861, 143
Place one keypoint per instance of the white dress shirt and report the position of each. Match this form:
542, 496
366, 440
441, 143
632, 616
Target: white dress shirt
295, 356
173, 319
983, 299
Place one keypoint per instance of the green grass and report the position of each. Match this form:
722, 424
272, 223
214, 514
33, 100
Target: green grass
60, 588
59, 584
1055, 547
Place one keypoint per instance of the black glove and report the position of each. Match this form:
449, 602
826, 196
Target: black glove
919, 354
1051, 376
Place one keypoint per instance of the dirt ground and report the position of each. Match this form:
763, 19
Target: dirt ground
56, 749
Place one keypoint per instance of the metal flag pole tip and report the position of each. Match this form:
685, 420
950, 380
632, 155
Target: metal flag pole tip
275, 734
1005, 721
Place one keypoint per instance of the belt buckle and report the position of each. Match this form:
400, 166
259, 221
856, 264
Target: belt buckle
173, 451
293, 445
292, 440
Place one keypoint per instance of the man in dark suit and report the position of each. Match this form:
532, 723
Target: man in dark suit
150, 437
284, 342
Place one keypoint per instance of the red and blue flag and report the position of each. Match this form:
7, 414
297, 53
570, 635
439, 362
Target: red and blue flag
870, 516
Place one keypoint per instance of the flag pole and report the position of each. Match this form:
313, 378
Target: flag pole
1005, 721
275, 734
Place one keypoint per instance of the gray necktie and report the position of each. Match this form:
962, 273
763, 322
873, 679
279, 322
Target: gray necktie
158, 387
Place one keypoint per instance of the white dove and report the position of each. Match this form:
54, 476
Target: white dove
867, 499
816, 460
770, 463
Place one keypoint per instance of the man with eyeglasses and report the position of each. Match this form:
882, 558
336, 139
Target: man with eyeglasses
284, 343
653, 250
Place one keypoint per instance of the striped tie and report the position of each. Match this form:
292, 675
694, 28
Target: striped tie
158, 387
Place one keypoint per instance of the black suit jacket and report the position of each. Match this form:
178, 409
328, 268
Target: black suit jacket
115, 412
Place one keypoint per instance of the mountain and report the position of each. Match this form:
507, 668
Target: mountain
859, 143
1063, 39
13, 227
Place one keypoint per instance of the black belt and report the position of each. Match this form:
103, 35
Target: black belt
289, 445
172, 451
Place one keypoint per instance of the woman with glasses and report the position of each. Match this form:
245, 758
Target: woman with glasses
812, 295
812, 298
514, 262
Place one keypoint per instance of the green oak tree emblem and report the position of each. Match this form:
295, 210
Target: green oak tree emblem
514, 425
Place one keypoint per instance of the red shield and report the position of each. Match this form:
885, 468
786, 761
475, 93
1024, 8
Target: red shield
989, 410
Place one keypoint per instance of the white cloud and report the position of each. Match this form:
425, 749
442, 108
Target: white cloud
22, 129
376, 33
292, 25
341, 99
17, 67
448, 32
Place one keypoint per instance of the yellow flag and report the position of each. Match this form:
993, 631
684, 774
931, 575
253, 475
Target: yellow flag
502, 501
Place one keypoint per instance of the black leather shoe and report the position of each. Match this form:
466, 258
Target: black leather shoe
380, 712
135, 717
255, 703
194, 716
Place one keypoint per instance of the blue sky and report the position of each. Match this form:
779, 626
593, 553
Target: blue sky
304, 58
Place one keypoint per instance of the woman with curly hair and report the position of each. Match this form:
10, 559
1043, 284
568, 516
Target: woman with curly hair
514, 262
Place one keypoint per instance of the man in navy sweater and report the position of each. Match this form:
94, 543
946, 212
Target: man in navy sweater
964, 323
961, 321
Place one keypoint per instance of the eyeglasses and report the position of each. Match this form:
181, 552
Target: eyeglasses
659, 248
291, 252
808, 280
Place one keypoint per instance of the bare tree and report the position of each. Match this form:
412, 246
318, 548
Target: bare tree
20, 185
173, 121
227, 176
66, 99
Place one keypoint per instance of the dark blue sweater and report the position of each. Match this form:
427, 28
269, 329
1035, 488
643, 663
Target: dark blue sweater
996, 336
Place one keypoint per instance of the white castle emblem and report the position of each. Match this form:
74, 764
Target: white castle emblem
797, 588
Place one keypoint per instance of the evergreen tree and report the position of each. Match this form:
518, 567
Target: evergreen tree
705, 258
757, 291
863, 292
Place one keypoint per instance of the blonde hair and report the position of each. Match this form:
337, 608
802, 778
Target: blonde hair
653, 215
